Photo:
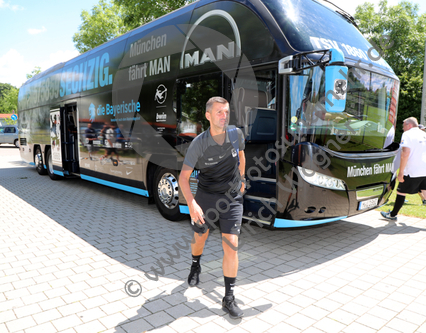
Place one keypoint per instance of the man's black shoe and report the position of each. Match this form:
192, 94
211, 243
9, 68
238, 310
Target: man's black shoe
229, 305
194, 276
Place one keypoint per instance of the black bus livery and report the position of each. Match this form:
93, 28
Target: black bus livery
316, 102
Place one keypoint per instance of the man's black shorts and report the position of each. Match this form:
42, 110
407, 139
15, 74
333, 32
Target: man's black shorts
219, 207
111, 150
412, 185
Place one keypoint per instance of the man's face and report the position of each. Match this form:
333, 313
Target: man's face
219, 115
406, 126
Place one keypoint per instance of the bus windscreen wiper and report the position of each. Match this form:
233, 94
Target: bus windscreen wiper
343, 13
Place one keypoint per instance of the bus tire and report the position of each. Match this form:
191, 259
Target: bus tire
49, 165
38, 161
166, 194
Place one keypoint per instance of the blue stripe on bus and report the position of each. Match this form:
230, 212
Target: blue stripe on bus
116, 185
184, 209
59, 173
281, 223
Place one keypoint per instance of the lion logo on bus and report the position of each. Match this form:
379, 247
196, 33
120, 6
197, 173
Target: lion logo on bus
92, 112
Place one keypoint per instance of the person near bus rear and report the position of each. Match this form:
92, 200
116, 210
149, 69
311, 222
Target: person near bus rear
412, 169
119, 134
90, 136
109, 143
218, 154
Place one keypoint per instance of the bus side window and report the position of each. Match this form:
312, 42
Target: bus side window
192, 95
253, 92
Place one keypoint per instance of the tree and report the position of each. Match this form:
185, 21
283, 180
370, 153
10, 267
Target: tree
138, 12
399, 33
8, 98
104, 23
35, 71
4, 89
112, 19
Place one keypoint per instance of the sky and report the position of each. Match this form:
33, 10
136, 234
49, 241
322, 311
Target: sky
39, 33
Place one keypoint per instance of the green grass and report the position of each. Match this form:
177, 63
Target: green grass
413, 207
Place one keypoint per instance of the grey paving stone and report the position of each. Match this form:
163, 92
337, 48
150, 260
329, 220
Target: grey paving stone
64, 269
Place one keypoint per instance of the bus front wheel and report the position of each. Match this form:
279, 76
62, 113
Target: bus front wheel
166, 194
49, 166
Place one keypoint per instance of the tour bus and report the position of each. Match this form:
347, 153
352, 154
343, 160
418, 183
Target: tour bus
315, 101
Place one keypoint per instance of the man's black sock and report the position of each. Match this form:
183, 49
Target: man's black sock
229, 286
399, 202
196, 261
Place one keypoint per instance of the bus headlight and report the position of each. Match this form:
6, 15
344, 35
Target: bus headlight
318, 179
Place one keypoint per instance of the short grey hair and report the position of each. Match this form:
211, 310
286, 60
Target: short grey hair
413, 121
215, 99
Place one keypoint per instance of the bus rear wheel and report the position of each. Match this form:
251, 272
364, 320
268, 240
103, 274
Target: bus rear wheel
49, 166
38, 161
166, 194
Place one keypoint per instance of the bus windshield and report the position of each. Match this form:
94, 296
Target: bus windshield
367, 124
308, 26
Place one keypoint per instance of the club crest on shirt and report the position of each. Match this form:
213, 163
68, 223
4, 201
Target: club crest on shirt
234, 152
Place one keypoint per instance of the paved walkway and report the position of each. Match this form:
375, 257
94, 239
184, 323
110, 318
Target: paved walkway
68, 248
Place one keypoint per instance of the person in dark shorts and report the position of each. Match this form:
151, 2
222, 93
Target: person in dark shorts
218, 154
412, 170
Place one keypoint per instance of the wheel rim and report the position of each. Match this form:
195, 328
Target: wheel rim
50, 164
38, 161
168, 190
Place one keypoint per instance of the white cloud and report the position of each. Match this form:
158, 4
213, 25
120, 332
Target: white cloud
57, 57
14, 67
7, 5
36, 31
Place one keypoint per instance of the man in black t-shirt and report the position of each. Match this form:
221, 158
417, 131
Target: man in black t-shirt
218, 153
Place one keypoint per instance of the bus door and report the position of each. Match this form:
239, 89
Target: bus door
70, 136
253, 110
63, 140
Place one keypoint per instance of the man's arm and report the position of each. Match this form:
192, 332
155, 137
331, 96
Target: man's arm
404, 159
194, 209
242, 168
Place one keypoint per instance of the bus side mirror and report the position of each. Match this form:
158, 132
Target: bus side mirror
336, 82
